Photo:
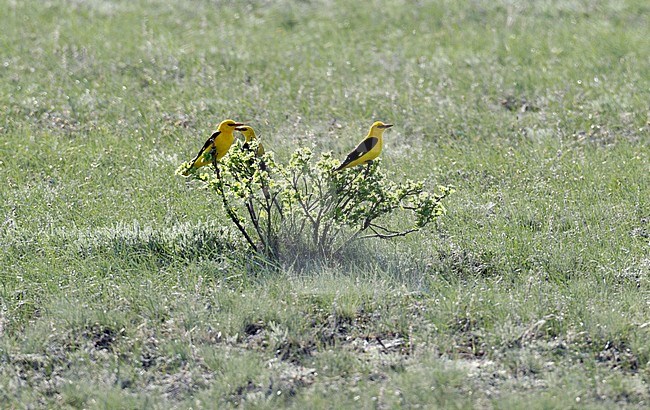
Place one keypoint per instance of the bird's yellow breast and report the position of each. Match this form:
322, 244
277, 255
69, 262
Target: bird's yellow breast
222, 143
375, 151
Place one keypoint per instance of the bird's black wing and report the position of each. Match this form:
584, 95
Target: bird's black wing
207, 144
361, 149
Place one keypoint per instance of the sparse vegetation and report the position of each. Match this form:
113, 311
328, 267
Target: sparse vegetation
121, 285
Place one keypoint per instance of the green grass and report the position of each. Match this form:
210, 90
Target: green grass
121, 286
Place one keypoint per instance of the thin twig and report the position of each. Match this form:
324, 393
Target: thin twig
256, 223
229, 211
375, 226
394, 235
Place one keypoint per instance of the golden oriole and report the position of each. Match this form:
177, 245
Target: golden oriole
249, 133
216, 146
368, 149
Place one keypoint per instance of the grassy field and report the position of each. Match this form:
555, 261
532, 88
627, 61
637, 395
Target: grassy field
122, 286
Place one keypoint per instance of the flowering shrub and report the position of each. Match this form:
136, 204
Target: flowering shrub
305, 204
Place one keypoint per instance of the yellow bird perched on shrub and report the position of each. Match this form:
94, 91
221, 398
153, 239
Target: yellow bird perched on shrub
249, 133
368, 149
216, 146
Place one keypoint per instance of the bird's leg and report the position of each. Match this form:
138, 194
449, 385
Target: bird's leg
214, 164
216, 167
368, 163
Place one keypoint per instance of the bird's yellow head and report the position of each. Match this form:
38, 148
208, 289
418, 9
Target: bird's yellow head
247, 131
379, 127
229, 125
